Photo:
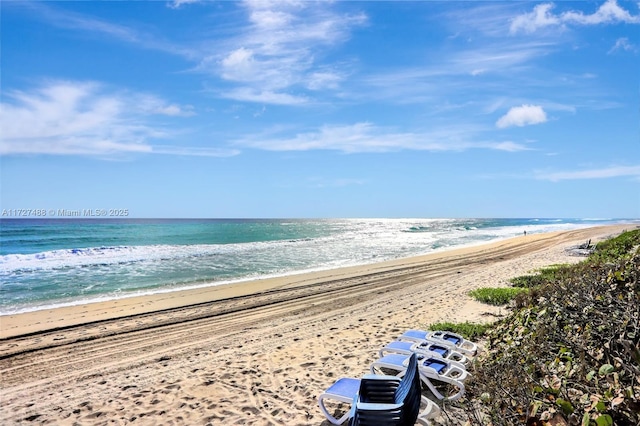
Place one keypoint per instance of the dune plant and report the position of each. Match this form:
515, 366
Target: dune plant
541, 277
468, 330
614, 249
572, 355
496, 296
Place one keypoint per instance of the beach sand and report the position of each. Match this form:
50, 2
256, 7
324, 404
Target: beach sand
255, 353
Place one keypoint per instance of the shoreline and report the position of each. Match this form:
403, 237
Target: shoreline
248, 354
195, 287
53, 318
99, 284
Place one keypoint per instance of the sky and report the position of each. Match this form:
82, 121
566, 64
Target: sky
321, 109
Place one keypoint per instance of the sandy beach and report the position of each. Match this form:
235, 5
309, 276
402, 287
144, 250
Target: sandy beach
256, 353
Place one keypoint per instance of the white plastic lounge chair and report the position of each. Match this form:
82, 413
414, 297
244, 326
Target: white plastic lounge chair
345, 390
431, 369
424, 347
447, 338
373, 387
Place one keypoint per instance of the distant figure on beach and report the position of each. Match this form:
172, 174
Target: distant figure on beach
525, 233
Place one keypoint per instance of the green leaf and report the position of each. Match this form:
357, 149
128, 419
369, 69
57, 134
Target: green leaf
565, 405
606, 369
604, 420
585, 419
590, 375
600, 406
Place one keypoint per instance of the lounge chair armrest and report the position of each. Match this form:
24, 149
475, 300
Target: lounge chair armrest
431, 410
428, 373
457, 372
457, 365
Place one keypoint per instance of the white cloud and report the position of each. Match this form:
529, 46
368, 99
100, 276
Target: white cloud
176, 4
479, 18
604, 173
83, 118
276, 52
266, 18
366, 137
454, 76
623, 44
248, 94
81, 22
239, 65
323, 80
541, 16
194, 151
522, 116
508, 146
359, 137
609, 12
497, 57
149, 104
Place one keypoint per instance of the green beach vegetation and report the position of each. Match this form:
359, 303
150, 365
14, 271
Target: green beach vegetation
470, 330
569, 352
543, 275
496, 296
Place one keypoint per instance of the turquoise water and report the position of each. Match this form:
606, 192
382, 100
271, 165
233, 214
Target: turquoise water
57, 262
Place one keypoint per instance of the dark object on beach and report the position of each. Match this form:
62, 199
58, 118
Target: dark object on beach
585, 246
582, 250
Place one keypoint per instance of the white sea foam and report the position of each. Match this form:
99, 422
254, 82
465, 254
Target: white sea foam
68, 276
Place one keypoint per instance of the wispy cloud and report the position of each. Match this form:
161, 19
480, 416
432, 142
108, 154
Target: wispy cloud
271, 58
274, 57
465, 76
177, 4
542, 16
367, 137
500, 57
480, 18
522, 116
623, 43
194, 151
85, 23
84, 118
603, 173
250, 94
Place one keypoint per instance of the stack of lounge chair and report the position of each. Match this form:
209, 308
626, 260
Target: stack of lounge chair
435, 359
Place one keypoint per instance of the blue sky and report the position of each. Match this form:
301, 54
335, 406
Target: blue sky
322, 109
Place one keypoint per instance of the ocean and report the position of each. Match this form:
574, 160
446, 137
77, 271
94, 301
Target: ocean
47, 263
